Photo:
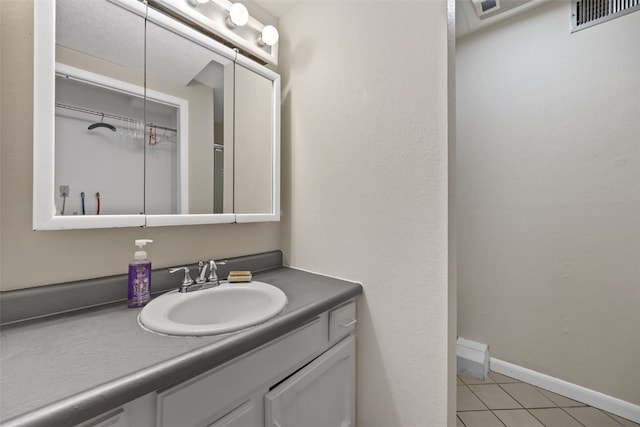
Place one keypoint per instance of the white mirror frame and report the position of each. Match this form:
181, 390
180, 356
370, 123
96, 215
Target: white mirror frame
44, 210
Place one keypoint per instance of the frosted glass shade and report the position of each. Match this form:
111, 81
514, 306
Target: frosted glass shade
238, 15
269, 36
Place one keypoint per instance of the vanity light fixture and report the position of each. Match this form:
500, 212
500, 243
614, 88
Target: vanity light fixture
238, 15
231, 21
268, 36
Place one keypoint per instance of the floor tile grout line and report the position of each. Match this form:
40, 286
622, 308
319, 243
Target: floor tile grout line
552, 408
597, 409
499, 419
609, 415
522, 404
484, 410
513, 397
580, 404
484, 383
605, 413
478, 397
491, 409
536, 418
578, 421
469, 388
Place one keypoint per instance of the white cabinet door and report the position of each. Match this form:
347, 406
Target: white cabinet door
202, 400
319, 395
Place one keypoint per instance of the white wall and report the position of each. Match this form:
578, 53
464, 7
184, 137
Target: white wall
365, 187
549, 196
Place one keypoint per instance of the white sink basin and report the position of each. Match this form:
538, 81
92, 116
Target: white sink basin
218, 310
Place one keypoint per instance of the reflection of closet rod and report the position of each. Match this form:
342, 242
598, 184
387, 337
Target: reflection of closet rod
111, 116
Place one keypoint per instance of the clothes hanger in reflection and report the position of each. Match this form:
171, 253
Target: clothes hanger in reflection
102, 124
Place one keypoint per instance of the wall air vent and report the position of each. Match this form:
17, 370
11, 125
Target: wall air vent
587, 13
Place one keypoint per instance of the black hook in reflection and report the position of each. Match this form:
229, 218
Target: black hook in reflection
102, 125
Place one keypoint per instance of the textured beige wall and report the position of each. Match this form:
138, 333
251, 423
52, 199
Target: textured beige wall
549, 197
365, 187
31, 258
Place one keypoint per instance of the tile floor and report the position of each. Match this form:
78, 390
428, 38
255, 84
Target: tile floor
501, 401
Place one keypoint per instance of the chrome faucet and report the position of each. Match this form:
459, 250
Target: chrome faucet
201, 281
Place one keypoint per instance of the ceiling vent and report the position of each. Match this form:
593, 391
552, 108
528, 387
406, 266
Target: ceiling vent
490, 8
472, 15
587, 13
484, 7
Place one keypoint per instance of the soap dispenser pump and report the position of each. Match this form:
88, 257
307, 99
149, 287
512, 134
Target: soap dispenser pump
140, 276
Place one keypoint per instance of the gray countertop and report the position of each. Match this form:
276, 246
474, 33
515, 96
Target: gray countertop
68, 368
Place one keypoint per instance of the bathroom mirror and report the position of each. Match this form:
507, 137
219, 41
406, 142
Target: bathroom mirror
204, 78
135, 122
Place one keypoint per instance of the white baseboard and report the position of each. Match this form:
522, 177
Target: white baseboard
593, 398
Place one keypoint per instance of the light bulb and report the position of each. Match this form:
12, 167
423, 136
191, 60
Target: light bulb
269, 36
238, 15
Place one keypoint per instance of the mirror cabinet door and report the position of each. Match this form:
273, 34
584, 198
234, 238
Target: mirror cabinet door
181, 164
99, 109
253, 129
256, 143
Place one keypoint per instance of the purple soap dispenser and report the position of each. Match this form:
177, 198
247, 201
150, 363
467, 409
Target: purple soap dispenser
140, 276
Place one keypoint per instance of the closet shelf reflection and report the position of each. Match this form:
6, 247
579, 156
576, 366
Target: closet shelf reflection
111, 116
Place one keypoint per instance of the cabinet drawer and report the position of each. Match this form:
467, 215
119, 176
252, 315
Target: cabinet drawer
202, 399
342, 321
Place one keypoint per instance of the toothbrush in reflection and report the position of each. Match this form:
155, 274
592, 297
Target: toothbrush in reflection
98, 197
82, 197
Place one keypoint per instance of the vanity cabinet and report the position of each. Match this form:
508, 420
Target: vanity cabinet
303, 378
212, 395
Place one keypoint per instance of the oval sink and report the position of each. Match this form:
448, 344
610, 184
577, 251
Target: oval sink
218, 310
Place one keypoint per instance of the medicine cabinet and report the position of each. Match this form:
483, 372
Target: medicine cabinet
140, 120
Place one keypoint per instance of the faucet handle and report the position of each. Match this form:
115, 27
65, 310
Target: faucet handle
213, 268
187, 280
